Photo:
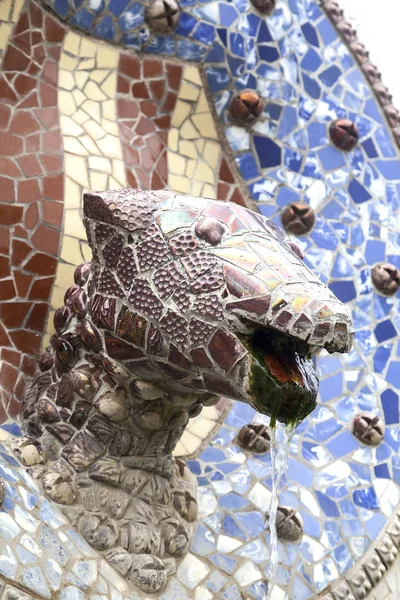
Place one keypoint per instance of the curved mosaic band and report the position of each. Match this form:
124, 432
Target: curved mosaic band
31, 180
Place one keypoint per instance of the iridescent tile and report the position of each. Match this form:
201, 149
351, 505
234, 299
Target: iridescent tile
239, 257
172, 220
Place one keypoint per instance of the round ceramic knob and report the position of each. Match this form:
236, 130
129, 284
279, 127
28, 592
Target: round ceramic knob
368, 428
386, 278
298, 218
288, 524
264, 6
246, 107
163, 15
344, 134
255, 437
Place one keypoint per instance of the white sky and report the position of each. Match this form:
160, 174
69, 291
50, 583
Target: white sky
378, 25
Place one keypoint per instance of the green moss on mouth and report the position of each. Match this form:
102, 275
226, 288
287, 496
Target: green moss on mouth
282, 397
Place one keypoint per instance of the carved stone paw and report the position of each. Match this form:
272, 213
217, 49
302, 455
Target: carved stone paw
99, 531
186, 505
148, 572
176, 539
120, 559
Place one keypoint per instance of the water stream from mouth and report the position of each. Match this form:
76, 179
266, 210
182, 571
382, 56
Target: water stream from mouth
280, 447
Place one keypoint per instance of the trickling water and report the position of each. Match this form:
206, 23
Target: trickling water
279, 458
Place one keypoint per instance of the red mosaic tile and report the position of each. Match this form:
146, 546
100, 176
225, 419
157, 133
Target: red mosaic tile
32, 143
9, 168
41, 264
7, 94
7, 289
4, 339
15, 406
41, 288
5, 113
32, 101
15, 60
46, 239
152, 67
11, 356
9, 215
13, 314
52, 142
29, 190
4, 240
54, 32
228, 188
20, 251
24, 123
53, 187
28, 366
30, 165
31, 216
26, 342
7, 189
4, 267
37, 317
22, 283
31, 182
8, 377
48, 117
130, 66
51, 162
52, 212
10, 145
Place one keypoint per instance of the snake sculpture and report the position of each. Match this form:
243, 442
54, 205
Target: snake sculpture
185, 299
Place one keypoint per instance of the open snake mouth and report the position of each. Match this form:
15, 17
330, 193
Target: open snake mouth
283, 382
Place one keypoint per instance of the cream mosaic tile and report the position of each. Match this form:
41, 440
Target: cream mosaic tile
9, 13
92, 150
197, 430
194, 153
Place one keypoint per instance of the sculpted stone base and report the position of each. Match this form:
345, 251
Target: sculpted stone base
139, 511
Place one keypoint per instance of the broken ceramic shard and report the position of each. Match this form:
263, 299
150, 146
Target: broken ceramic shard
185, 299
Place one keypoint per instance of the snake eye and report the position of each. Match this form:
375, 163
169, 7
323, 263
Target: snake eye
210, 230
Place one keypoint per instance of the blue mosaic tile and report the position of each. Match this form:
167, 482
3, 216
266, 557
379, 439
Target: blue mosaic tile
390, 405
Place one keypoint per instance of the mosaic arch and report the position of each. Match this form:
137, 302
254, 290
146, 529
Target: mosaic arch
92, 98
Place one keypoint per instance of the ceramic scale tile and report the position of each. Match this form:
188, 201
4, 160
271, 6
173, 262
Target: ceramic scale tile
93, 156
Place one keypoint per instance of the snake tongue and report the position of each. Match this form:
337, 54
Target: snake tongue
283, 383
284, 368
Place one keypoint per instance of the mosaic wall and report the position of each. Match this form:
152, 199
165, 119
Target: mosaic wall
80, 113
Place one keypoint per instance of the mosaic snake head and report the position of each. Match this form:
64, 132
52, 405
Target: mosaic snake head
206, 296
